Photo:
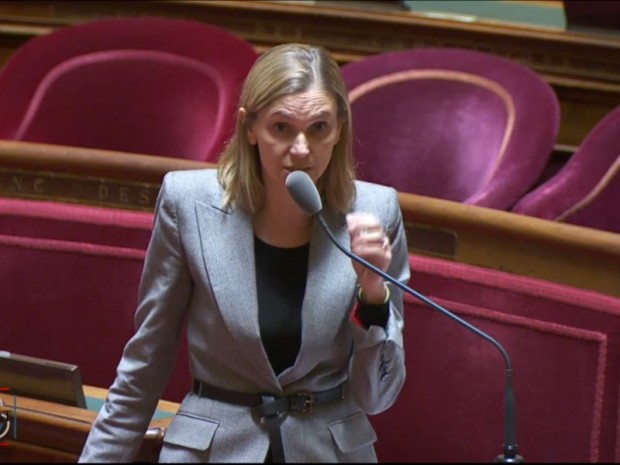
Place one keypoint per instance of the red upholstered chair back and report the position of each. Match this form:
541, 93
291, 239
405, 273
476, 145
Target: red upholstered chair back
210, 61
69, 285
563, 344
585, 191
130, 101
454, 124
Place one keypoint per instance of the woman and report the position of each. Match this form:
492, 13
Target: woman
291, 344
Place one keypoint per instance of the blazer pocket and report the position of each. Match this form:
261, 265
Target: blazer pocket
191, 431
352, 432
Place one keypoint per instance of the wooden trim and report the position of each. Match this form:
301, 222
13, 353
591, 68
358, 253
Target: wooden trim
82, 175
91, 162
568, 254
17, 451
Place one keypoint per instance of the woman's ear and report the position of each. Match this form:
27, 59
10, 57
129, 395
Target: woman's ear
243, 115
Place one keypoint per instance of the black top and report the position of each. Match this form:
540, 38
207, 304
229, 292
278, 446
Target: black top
281, 284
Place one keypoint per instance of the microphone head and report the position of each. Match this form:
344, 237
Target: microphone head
305, 194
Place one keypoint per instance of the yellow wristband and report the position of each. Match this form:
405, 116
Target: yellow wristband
385, 301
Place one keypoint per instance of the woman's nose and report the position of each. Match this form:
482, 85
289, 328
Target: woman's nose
300, 145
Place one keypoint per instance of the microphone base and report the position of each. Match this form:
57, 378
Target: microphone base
511, 459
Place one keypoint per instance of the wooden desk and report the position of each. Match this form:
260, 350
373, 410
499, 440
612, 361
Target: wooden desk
50, 432
574, 255
581, 67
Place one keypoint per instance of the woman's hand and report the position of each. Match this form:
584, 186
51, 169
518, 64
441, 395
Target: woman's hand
369, 241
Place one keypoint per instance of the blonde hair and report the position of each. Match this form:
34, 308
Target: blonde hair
285, 70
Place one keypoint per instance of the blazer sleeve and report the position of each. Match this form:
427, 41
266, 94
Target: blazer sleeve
378, 364
150, 355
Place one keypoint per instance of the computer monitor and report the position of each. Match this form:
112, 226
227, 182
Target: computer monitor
43, 379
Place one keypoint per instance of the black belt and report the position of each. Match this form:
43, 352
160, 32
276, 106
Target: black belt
270, 407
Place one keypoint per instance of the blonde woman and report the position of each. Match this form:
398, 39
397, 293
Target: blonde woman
291, 343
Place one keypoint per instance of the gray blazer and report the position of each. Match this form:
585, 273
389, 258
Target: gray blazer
200, 267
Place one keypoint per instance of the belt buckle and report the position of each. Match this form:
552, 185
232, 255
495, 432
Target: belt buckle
308, 402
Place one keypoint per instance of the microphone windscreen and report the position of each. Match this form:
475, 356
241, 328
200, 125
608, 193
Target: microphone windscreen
304, 192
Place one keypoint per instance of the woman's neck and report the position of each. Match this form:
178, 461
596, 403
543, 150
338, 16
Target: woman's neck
281, 222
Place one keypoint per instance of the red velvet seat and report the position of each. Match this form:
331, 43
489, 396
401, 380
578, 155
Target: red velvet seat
585, 191
455, 124
137, 101
180, 75
562, 341
75, 223
69, 285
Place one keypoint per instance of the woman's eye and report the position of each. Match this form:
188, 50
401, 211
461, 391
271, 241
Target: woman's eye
319, 126
280, 127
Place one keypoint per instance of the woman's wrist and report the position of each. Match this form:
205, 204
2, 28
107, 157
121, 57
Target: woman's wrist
378, 296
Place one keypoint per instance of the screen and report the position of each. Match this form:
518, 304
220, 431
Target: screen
42, 379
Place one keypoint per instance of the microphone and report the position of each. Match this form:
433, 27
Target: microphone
306, 196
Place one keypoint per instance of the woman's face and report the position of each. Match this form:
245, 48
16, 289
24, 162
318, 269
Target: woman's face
296, 132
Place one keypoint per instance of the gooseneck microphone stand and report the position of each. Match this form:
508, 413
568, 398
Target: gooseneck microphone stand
305, 194
510, 454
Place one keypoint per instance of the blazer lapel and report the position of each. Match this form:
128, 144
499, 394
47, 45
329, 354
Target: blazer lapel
329, 286
227, 243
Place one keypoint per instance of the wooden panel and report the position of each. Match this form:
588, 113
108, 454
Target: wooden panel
51, 432
89, 176
19, 452
568, 254
582, 68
